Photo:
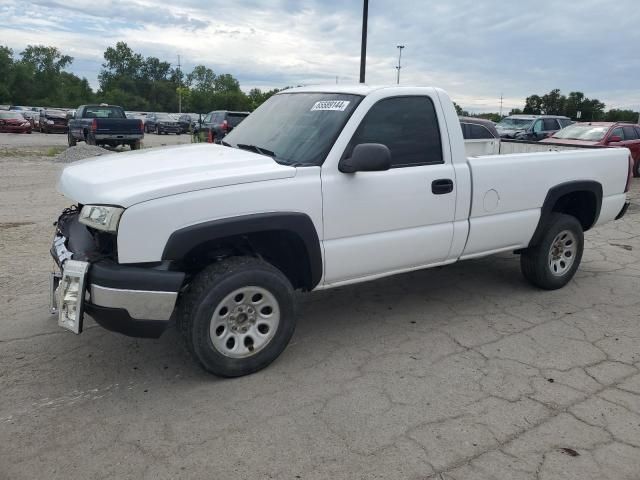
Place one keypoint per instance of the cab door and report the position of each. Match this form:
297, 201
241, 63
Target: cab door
382, 222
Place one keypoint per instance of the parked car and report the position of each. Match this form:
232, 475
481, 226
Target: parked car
480, 136
188, 121
53, 121
104, 125
14, 122
612, 134
161, 123
531, 127
318, 188
30, 113
221, 122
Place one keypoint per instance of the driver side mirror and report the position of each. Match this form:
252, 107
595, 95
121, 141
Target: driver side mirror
615, 139
367, 157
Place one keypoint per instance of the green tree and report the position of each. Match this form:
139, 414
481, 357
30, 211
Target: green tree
616, 115
533, 105
553, 103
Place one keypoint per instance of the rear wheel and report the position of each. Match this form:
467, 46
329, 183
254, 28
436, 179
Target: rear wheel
636, 170
237, 316
157, 130
90, 139
70, 140
135, 145
553, 262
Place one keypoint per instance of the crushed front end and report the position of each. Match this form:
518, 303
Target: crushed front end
136, 300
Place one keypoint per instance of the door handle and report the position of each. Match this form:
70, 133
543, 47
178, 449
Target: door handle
442, 186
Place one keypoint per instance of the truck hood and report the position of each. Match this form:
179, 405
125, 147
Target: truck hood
125, 179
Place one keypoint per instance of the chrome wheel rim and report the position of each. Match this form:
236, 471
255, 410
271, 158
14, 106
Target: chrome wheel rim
562, 253
244, 322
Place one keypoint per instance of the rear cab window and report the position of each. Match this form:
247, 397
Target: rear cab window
103, 112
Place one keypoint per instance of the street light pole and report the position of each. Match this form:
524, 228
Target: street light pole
179, 86
400, 47
363, 47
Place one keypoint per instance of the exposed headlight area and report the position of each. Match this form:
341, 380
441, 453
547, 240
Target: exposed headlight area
101, 217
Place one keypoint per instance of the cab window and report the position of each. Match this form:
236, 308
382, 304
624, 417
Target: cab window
408, 126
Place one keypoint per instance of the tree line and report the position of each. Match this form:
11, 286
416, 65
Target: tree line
37, 77
555, 103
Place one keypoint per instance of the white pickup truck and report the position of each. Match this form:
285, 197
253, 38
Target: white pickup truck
319, 187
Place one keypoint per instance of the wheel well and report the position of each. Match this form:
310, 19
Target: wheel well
284, 249
582, 205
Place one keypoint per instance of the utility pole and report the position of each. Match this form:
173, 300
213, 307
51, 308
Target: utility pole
179, 87
501, 105
363, 45
400, 47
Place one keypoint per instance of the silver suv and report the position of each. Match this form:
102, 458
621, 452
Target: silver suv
531, 127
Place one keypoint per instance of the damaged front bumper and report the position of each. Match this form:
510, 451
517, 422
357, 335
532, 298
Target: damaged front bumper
132, 300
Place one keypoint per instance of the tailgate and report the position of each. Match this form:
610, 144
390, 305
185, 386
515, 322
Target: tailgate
118, 126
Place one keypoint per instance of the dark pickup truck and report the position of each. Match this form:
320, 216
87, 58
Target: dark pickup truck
105, 125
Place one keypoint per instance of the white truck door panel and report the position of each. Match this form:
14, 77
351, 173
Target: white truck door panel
377, 222
383, 222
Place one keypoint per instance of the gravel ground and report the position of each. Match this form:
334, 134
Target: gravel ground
39, 140
463, 372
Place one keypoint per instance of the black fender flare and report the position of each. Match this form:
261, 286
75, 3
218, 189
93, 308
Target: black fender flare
184, 240
559, 191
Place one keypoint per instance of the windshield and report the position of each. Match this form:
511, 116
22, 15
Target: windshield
590, 133
510, 123
298, 128
11, 116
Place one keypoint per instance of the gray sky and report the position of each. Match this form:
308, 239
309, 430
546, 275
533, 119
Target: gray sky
475, 49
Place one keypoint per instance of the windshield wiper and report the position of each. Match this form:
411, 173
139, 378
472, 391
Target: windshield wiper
255, 148
226, 144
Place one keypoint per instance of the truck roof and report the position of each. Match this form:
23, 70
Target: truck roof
531, 117
353, 88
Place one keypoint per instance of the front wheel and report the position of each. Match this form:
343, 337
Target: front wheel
71, 141
237, 316
553, 262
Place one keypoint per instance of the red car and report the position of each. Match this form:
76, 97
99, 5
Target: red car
14, 122
604, 134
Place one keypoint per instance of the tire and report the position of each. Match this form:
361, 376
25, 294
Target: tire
90, 139
213, 296
70, 140
553, 262
135, 145
636, 169
157, 130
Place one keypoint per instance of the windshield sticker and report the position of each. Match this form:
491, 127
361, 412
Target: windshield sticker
331, 105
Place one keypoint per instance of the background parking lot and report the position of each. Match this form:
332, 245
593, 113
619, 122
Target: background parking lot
462, 372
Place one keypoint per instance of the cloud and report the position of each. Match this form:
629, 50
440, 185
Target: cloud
475, 50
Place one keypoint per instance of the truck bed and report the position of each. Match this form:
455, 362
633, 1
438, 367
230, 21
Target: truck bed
510, 188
